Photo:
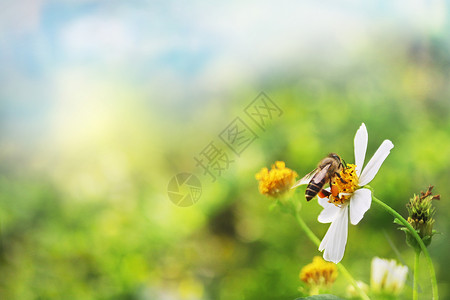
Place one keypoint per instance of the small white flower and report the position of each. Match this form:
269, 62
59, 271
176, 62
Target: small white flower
352, 197
387, 276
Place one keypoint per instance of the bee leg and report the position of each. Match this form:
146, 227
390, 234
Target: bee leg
324, 193
334, 189
344, 164
339, 175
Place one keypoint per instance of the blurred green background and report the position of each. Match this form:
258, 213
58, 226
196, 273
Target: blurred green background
102, 103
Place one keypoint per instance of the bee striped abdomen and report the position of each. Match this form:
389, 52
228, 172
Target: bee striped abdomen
313, 189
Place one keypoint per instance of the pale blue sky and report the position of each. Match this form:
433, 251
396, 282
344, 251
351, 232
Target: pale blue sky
55, 55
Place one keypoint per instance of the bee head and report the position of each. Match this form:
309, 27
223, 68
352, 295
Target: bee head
334, 156
337, 158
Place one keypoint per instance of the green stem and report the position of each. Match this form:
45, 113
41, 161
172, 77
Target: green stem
349, 277
419, 241
416, 276
340, 266
307, 230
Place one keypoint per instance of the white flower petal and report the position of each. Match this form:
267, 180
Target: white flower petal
324, 201
359, 204
336, 237
387, 275
377, 273
375, 162
396, 278
360, 144
329, 212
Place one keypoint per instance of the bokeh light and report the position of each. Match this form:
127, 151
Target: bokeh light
103, 102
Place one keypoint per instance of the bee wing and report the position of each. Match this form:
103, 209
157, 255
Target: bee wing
306, 179
321, 174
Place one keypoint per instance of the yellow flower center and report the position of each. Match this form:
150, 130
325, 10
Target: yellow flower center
319, 272
276, 181
343, 188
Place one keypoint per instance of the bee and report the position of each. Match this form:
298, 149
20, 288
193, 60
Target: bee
327, 169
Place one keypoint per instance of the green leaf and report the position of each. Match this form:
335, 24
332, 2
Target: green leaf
321, 297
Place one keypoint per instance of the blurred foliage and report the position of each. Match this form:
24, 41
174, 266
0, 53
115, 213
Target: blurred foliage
95, 222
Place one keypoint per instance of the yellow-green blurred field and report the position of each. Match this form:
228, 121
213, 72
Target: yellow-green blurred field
93, 129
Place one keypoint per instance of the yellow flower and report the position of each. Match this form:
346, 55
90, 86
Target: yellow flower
319, 273
277, 181
344, 188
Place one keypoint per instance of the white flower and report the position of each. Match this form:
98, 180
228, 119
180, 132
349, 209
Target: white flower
387, 276
352, 197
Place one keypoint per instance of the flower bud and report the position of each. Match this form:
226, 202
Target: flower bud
421, 212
